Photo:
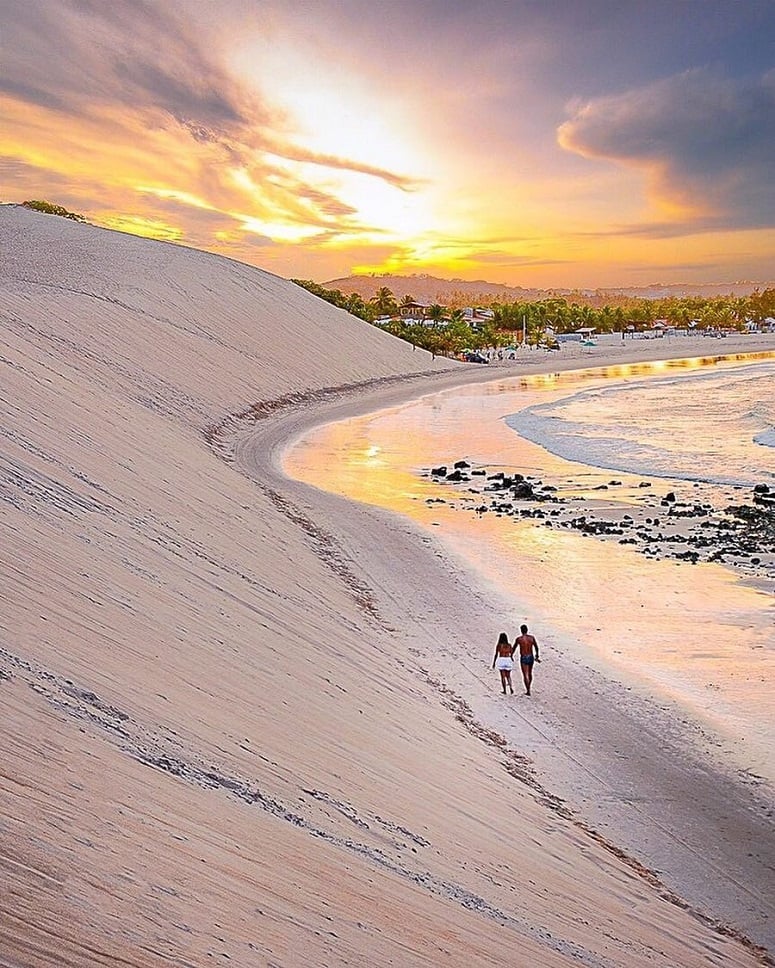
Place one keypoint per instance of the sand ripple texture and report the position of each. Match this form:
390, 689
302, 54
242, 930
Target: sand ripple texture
214, 750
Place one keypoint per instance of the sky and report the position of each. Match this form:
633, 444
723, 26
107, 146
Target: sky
538, 143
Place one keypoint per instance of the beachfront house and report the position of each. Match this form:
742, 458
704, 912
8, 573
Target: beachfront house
476, 317
414, 311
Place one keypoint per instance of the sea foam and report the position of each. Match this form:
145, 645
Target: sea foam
717, 427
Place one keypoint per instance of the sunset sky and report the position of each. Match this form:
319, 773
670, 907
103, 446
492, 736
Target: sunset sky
545, 143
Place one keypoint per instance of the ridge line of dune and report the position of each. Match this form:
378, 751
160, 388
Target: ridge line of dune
183, 675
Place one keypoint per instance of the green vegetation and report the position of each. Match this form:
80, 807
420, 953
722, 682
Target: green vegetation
353, 303
384, 302
448, 332
50, 208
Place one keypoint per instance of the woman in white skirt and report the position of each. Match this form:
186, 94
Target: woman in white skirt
503, 661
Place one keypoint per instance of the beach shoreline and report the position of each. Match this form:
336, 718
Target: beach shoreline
640, 776
233, 726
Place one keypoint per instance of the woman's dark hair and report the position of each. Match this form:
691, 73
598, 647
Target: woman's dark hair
503, 639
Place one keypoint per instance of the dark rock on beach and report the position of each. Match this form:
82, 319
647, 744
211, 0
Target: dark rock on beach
763, 494
524, 492
742, 536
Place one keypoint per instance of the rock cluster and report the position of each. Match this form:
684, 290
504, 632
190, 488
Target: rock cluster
739, 535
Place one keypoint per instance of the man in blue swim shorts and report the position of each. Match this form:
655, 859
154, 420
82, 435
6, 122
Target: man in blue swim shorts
528, 653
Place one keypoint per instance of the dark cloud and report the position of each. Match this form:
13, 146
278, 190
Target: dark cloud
29, 94
174, 92
77, 55
249, 240
21, 173
490, 240
303, 204
151, 62
312, 207
705, 143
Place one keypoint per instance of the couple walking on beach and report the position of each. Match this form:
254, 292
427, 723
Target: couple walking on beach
503, 660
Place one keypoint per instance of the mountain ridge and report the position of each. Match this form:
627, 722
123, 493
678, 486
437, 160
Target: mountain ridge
427, 288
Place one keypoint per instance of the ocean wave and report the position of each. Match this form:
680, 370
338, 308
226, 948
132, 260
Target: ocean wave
716, 427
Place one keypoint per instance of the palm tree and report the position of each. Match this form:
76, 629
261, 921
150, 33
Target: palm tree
384, 302
507, 317
436, 313
741, 310
355, 305
605, 319
458, 335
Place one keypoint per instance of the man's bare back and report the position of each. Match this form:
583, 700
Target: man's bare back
528, 653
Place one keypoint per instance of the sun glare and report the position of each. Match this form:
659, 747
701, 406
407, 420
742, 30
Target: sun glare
332, 111
279, 231
332, 118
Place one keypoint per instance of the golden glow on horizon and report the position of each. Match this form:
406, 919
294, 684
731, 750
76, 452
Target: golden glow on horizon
331, 115
391, 211
342, 188
425, 253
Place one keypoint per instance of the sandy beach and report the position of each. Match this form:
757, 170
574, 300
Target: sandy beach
619, 731
238, 726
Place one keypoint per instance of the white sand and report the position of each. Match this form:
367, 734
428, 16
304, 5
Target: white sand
215, 749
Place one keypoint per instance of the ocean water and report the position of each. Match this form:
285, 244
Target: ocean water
716, 426
698, 636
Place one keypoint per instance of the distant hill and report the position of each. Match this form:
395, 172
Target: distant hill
427, 288
432, 289
710, 289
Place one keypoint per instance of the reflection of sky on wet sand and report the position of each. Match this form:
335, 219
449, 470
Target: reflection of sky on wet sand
694, 634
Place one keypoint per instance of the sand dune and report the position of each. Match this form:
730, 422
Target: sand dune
217, 747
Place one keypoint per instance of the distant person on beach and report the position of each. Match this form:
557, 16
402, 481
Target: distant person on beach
503, 661
528, 653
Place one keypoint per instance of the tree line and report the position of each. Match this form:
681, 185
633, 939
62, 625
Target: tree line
49, 208
536, 321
